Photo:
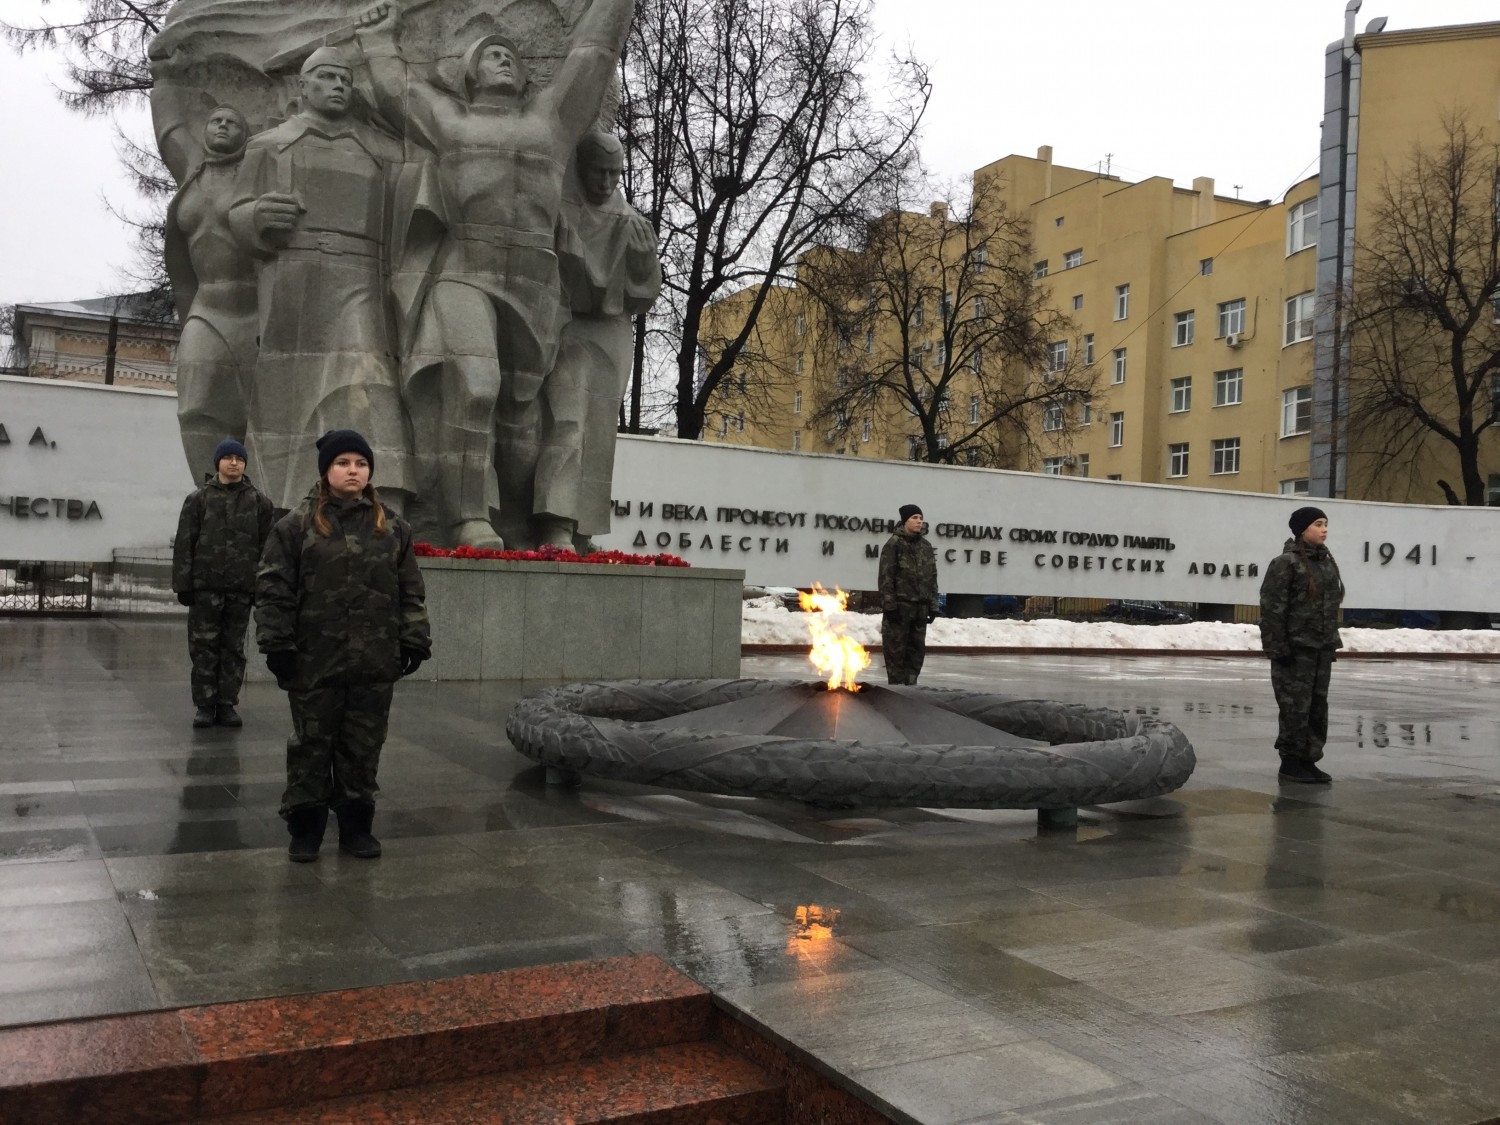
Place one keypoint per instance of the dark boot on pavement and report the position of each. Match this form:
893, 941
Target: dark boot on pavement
228, 717
203, 717
355, 819
1301, 771
306, 825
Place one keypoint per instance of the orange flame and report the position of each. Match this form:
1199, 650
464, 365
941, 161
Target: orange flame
834, 653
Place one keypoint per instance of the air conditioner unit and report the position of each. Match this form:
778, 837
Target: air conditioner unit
1234, 339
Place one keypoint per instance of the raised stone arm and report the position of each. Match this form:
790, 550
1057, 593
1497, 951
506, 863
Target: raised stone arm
405, 98
593, 53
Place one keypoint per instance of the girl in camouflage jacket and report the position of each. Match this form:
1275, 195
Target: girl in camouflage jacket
1299, 631
341, 615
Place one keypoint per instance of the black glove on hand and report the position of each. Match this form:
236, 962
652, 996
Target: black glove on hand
185, 597
1281, 656
283, 664
411, 660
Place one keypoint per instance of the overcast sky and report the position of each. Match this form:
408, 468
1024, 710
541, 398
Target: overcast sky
1178, 88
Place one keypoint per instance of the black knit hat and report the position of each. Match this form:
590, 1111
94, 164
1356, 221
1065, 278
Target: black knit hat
1303, 518
229, 447
334, 442
909, 510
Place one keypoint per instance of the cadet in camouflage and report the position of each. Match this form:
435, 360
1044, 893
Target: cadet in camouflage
1299, 631
340, 614
219, 537
908, 597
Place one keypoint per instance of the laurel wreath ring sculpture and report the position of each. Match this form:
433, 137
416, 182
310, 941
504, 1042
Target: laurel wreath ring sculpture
1094, 756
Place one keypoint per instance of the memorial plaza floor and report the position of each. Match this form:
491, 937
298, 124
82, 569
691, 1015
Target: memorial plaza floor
1235, 952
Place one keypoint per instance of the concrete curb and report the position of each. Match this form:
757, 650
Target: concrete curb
983, 650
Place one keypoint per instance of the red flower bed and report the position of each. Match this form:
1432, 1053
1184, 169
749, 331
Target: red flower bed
549, 554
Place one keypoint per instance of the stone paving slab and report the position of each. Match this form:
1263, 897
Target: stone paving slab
1234, 952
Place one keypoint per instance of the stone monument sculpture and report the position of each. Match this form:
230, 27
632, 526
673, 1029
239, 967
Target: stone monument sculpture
611, 274
213, 283
401, 197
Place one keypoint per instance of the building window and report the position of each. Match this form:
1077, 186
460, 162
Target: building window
1232, 317
913, 447
1296, 411
1117, 429
1083, 464
978, 363
1177, 459
800, 365
942, 441
844, 340
797, 402
723, 424
796, 440
1072, 259
1052, 466
1077, 301
941, 358
943, 400
1119, 366
1039, 270
1205, 266
978, 308
864, 430
1226, 456
973, 408
1182, 328
1057, 222
981, 258
1088, 349
1229, 387
945, 306
1052, 417
971, 456
1302, 226
1057, 355
919, 314
1085, 411
801, 324
869, 340
915, 357
739, 421
1115, 476
841, 419
1298, 487
1299, 318
841, 380
1122, 302
1182, 394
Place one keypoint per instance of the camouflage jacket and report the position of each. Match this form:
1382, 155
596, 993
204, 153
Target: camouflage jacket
347, 602
1292, 617
219, 537
908, 572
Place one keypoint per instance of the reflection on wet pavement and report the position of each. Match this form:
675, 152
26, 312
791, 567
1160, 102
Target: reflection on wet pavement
1231, 952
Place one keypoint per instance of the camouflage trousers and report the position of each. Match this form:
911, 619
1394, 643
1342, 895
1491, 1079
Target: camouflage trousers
217, 623
1301, 687
334, 750
903, 639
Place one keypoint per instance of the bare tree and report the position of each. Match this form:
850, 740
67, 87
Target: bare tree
753, 138
938, 331
1424, 383
104, 45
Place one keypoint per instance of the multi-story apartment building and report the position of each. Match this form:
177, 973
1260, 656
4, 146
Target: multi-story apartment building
1202, 318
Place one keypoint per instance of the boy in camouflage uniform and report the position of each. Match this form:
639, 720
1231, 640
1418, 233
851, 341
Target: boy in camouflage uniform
1299, 630
908, 597
219, 537
341, 615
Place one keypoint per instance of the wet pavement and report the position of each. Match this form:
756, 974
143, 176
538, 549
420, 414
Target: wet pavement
1236, 952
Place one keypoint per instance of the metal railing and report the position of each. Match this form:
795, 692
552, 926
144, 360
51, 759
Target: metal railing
46, 587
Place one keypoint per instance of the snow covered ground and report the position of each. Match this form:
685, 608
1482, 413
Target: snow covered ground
766, 621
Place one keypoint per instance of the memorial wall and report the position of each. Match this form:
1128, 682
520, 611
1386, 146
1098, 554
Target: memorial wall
88, 470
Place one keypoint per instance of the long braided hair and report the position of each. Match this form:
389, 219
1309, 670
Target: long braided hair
325, 494
1300, 546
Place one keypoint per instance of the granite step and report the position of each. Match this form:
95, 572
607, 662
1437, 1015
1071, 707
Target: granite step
690, 1082
211, 1061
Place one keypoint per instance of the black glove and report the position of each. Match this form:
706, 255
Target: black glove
283, 664
185, 597
1281, 656
411, 659
932, 615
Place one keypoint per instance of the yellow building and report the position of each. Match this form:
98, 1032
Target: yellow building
124, 341
1176, 302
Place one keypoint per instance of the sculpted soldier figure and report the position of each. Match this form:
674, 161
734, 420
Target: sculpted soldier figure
611, 273
488, 334
213, 282
329, 203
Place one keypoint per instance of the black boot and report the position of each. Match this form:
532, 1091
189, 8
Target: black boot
1302, 771
203, 717
227, 716
306, 826
355, 819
